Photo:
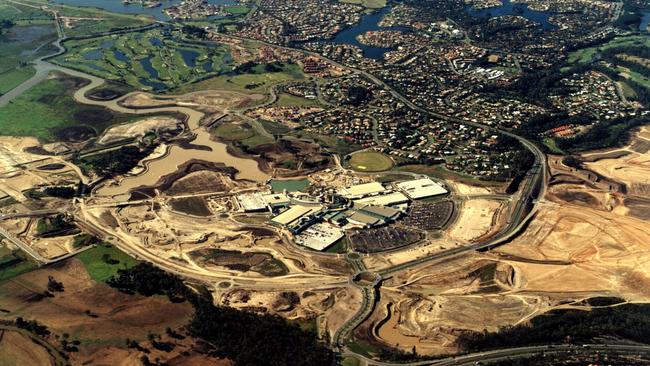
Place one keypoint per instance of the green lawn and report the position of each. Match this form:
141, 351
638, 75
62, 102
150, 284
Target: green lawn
257, 82
288, 100
586, 55
291, 185
242, 133
99, 268
13, 77
550, 143
233, 132
350, 361
370, 161
49, 112
20, 45
237, 9
10, 272
634, 76
371, 4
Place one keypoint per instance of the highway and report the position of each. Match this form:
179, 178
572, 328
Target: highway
509, 353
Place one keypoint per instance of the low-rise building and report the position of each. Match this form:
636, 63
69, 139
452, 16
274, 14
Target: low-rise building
421, 188
319, 236
363, 190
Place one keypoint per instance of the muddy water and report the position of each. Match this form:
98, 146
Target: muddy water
388, 332
176, 156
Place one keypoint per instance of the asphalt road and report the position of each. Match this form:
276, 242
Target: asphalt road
509, 353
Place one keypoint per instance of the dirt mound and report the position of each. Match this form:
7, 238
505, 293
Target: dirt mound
199, 182
292, 156
165, 182
196, 206
262, 263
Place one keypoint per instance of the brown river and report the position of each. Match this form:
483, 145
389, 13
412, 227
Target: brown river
176, 155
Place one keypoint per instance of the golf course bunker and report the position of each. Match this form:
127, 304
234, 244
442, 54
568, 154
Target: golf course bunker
262, 263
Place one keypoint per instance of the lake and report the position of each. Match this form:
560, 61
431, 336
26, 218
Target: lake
508, 8
117, 6
369, 22
645, 20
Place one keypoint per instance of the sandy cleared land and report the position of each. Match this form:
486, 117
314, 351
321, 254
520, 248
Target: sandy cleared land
466, 189
476, 219
12, 151
602, 251
137, 129
632, 169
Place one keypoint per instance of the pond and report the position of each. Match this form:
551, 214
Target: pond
121, 56
93, 55
189, 57
508, 8
207, 66
155, 42
645, 21
369, 22
148, 67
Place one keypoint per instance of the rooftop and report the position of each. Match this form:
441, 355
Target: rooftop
421, 188
294, 213
361, 190
384, 200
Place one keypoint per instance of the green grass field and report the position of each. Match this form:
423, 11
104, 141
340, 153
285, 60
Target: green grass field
586, 55
48, 111
21, 44
371, 4
13, 263
97, 265
257, 82
237, 9
13, 77
288, 100
242, 133
370, 161
147, 60
233, 132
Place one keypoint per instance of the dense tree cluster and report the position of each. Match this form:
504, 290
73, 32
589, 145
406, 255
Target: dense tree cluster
626, 322
32, 326
5, 24
246, 338
605, 134
358, 95
194, 31
55, 226
115, 162
60, 192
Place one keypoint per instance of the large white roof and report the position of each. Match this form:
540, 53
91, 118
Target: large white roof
421, 188
363, 189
